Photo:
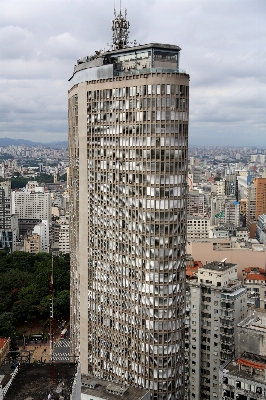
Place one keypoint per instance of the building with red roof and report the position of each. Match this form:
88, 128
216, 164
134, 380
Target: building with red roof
254, 278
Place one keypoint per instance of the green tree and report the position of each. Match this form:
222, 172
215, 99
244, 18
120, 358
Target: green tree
62, 303
7, 325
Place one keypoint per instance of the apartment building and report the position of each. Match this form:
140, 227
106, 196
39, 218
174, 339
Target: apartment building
225, 210
245, 377
261, 229
27, 205
63, 237
197, 227
260, 185
32, 243
128, 144
196, 203
254, 279
216, 301
42, 229
8, 222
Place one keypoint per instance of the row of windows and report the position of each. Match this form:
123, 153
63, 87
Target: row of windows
130, 129
143, 90
133, 104
138, 116
132, 154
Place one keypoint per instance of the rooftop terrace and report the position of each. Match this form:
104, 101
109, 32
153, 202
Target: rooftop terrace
33, 381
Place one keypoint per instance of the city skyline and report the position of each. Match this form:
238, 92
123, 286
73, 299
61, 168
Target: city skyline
220, 41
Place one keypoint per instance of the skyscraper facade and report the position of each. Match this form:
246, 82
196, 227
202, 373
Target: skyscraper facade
128, 142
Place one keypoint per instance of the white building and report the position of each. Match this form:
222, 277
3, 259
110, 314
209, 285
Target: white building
31, 186
35, 205
42, 230
215, 302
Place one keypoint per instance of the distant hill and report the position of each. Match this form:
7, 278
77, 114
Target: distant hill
4, 142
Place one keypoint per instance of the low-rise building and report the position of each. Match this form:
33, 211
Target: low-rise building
244, 379
251, 333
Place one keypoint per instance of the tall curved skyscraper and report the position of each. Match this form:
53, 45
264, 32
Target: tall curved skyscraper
128, 143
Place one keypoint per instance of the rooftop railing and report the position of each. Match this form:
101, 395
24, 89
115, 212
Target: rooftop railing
148, 71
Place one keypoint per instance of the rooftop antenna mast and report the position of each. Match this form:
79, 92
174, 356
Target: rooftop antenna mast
120, 28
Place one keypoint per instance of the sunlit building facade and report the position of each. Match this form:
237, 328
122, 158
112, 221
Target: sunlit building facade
128, 142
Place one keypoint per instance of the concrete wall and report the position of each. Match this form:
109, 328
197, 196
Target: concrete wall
250, 340
83, 225
203, 251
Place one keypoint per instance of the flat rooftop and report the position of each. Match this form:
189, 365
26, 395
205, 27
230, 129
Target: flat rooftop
256, 321
33, 381
100, 388
218, 266
244, 374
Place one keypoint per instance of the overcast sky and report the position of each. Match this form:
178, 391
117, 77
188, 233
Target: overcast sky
223, 46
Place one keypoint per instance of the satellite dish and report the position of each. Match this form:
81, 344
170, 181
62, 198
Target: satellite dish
224, 259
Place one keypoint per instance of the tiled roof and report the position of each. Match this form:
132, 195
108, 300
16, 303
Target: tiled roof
256, 277
249, 269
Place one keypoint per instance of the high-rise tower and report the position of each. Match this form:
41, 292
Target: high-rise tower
128, 142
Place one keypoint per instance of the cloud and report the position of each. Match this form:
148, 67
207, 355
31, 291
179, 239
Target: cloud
223, 50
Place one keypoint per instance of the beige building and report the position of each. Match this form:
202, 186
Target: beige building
64, 238
128, 138
197, 227
32, 243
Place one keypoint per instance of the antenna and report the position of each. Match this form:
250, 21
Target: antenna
120, 28
52, 322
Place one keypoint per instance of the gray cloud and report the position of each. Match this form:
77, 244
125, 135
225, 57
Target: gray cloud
223, 50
